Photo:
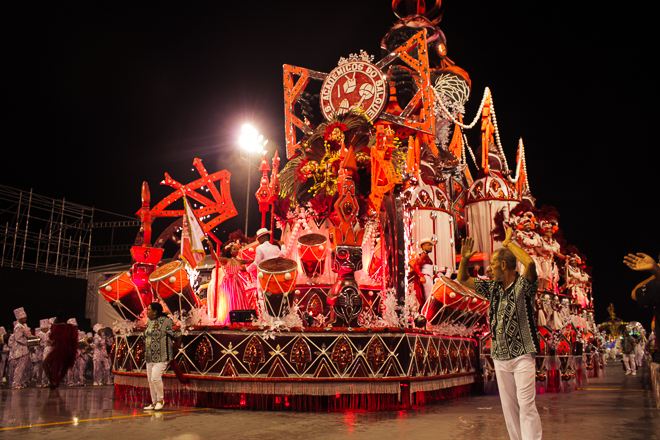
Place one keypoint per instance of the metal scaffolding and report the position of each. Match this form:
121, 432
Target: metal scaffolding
43, 234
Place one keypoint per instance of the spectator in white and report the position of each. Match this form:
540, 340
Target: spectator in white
629, 345
22, 366
512, 320
647, 294
102, 373
4, 352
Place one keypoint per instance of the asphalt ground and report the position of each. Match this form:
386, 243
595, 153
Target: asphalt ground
615, 406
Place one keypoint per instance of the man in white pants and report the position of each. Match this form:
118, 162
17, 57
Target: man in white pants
513, 331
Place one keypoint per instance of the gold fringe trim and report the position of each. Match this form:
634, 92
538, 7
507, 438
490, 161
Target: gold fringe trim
438, 384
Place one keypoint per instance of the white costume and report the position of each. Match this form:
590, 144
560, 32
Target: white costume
265, 251
547, 268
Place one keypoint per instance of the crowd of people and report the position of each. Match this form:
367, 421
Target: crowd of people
57, 351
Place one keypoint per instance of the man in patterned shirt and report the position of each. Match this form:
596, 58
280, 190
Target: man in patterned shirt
513, 331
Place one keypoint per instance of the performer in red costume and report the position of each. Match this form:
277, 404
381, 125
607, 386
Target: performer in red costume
63, 338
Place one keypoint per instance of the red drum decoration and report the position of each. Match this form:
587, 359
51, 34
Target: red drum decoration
312, 251
122, 293
277, 277
170, 282
451, 301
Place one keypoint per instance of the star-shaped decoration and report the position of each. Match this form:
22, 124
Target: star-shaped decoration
277, 352
229, 350
323, 351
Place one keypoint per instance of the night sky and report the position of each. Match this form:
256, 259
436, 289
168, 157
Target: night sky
100, 97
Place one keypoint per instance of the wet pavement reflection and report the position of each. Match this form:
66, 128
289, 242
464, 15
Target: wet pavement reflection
616, 406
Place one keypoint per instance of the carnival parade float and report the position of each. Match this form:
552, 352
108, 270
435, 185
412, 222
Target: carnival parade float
360, 309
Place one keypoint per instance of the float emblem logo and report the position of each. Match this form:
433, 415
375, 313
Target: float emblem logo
353, 85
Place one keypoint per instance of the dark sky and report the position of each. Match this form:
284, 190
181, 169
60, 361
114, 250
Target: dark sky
99, 97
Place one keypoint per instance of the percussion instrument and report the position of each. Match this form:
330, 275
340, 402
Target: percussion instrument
107, 333
170, 281
312, 250
122, 293
33, 342
277, 277
450, 301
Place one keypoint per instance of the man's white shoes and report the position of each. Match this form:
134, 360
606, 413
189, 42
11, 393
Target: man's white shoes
150, 407
159, 405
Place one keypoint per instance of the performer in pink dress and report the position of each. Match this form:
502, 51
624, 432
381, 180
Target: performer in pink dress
231, 292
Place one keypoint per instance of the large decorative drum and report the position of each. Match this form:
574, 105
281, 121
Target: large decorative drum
452, 302
122, 293
312, 250
170, 282
277, 277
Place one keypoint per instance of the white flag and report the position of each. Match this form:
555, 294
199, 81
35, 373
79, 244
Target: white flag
192, 249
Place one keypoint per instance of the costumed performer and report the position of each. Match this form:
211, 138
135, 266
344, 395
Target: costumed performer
4, 353
576, 281
513, 328
547, 250
158, 350
422, 274
22, 366
102, 373
265, 251
38, 356
63, 340
527, 239
11, 349
75, 377
231, 292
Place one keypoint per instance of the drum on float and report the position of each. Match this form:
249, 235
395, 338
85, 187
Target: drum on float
171, 283
312, 251
124, 296
277, 277
450, 301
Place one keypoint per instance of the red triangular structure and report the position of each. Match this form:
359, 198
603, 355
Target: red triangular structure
359, 369
277, 369
229, 370
391, 369
323, 370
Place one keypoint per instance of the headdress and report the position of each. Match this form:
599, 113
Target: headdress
44, 323
72, 321
19, 313
97, 327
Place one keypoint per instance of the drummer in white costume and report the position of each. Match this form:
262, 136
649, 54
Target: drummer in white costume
265, 251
